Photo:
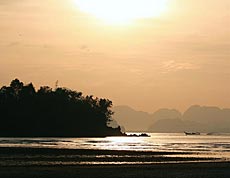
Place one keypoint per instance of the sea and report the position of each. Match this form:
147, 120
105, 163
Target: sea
204, 145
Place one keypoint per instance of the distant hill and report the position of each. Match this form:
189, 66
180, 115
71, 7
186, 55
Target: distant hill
131, 119
214, 119
165, 114
134, 120
195, 118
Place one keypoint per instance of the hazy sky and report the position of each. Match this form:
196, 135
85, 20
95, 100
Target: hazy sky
174, 60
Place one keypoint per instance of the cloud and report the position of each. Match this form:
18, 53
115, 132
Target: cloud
173, 66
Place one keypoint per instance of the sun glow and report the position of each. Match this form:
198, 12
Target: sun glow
122, 11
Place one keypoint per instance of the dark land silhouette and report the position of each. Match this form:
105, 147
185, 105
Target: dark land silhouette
25, 112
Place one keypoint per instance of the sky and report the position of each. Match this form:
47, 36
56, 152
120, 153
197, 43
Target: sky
175, 59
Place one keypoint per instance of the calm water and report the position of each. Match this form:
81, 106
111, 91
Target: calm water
203, 145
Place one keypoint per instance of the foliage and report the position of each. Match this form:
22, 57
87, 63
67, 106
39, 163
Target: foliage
61, 112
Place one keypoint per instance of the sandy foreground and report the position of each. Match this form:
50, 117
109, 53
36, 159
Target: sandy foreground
186, 170
61, 163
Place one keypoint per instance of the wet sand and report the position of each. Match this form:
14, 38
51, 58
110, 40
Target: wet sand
66, 163
19, 156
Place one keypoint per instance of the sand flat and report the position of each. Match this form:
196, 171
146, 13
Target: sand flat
66, 163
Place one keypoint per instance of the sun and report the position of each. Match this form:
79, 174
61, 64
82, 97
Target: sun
122, 11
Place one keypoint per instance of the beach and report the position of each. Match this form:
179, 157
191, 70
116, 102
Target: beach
19, 162
158, 156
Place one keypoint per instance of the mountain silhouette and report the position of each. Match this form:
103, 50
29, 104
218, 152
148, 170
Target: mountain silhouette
195, 118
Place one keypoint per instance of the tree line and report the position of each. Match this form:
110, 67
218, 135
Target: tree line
25, 112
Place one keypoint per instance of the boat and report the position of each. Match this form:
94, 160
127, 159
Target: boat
192, 133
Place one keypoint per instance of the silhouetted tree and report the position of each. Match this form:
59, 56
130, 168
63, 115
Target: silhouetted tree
61, 112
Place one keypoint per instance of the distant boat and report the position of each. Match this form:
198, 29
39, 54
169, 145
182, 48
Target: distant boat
192, 133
